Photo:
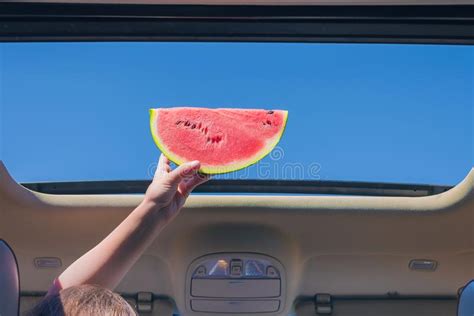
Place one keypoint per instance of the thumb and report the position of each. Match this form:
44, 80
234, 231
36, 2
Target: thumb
186, 170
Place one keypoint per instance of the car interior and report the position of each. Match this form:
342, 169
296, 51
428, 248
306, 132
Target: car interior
250, 247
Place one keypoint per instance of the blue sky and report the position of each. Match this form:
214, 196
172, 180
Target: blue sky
390, 113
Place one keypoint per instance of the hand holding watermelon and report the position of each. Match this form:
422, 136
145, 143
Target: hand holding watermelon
170, 188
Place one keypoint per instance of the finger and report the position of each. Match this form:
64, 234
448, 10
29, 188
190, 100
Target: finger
186, 187
185, 171
164, 163
180, 199
163, 166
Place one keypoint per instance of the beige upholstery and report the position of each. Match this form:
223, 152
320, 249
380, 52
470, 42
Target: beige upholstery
161, 307
341, 245
384, 308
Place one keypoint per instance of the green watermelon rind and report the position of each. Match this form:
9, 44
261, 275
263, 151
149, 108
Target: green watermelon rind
218, 169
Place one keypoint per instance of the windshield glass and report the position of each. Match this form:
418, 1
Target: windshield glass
357, 112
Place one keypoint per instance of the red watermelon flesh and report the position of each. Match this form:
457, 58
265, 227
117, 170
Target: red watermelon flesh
223, 140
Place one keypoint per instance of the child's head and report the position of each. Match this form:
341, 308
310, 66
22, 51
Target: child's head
84, 300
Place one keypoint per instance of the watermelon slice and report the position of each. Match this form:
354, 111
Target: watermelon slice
223, 140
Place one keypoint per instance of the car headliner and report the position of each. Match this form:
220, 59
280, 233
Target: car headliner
328, 244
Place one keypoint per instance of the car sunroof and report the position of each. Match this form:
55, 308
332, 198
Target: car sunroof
357, 112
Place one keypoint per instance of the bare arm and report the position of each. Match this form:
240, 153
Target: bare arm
108, 262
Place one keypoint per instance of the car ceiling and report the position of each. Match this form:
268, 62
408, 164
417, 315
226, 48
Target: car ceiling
326, 244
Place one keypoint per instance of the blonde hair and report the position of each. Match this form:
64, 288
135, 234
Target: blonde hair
83, 300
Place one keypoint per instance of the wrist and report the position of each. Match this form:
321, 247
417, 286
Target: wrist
150, 203
152, 211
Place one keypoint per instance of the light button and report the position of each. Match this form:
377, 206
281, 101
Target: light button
272, 272
236, 268
200, 272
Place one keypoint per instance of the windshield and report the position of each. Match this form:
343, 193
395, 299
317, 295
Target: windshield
357, 112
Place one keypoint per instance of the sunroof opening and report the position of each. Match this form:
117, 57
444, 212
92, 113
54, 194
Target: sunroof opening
357, 112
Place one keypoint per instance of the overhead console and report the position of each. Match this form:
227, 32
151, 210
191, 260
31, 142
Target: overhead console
235, 283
